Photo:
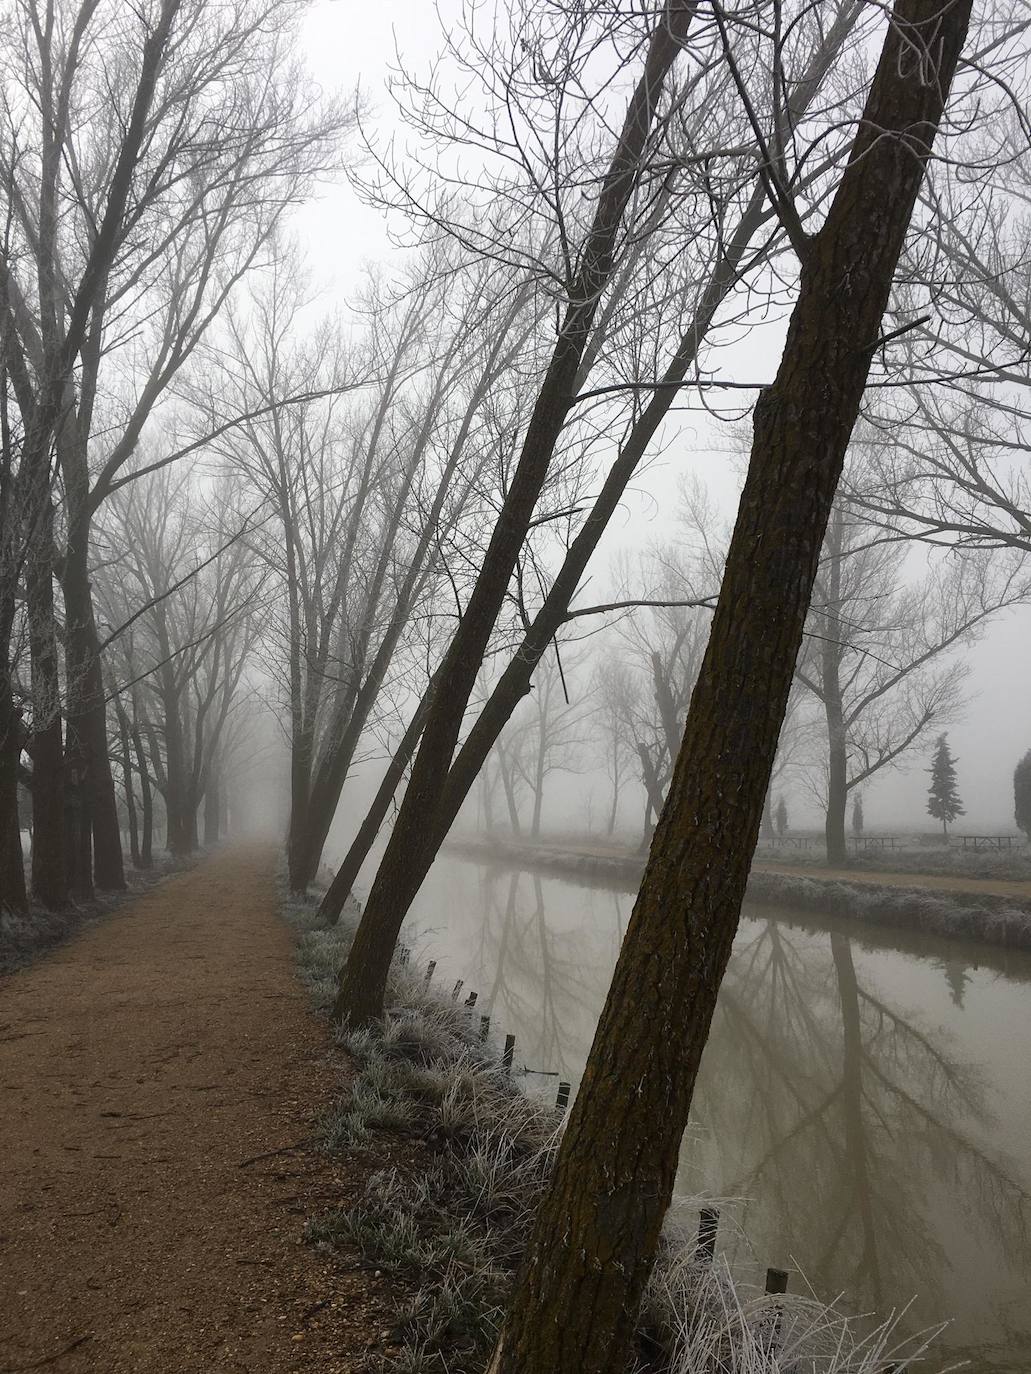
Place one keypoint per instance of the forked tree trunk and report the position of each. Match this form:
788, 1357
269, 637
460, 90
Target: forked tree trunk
363, 979
576, 1299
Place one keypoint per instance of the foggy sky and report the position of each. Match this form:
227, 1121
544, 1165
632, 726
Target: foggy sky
349, 44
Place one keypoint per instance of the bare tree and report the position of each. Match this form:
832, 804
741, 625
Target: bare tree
613, 1174
137, 202
877, 651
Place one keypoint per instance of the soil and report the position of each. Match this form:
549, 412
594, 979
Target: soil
160, 1076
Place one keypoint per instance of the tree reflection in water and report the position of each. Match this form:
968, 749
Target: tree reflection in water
854, 1131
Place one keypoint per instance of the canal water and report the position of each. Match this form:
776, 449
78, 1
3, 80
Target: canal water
864, 1104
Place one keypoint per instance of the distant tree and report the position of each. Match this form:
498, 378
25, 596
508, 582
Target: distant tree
943, 801
857, 816
1022, 794
782, 818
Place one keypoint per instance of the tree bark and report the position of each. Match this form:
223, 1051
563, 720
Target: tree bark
831, 652
363, 978
593, 1243
212, 808
130, 795
49, 861
146, 799
347, 874
13, 894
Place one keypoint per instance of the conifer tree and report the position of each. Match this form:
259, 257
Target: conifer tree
782, 818
857, 816
943, 801
1022, 794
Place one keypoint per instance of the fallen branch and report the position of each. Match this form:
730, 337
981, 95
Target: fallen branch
269, 1154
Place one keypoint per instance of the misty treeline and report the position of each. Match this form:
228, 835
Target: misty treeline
226, 501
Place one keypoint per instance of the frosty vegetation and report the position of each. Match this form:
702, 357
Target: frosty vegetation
450, 1223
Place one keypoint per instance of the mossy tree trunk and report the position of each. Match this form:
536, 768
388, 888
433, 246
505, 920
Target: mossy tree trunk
577, 1296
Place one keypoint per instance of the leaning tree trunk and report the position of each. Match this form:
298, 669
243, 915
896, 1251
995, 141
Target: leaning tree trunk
576, 1298
363, 978
515, 682
347, 874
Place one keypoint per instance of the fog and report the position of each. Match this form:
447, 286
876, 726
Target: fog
539, 491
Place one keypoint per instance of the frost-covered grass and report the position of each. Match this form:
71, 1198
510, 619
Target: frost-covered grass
967, 916
451, 1226
913, 855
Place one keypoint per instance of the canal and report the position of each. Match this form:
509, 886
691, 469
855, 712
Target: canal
863, 1111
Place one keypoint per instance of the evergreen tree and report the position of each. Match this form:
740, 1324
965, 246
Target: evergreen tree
857, 816
1022, 794
782, 818
943, 801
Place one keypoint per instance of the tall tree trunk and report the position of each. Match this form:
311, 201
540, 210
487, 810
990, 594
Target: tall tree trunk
146, 799
49, 871
363, 978
13, 895
576, 1299
130, 794
347, 874
212, 807
831, 651
87, 708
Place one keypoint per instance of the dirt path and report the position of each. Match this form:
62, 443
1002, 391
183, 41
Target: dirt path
139, 1065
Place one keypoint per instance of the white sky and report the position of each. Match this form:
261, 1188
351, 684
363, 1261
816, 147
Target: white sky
349, 43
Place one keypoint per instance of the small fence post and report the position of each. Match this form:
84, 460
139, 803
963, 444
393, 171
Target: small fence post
562, 1100
458, 989
509, 1054
429, 969
708, 1225
776, 1283
403, 955
470, 1001
484, 1027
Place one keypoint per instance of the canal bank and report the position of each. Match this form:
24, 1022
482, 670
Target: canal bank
991, 913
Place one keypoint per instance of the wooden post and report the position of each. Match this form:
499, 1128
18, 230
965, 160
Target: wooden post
562, 1100
484, 1027
509, 1054
458, 989
776, 1283
429, 969
470, 1001
708, 1225
404, 954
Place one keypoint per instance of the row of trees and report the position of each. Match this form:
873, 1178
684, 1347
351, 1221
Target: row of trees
382, 524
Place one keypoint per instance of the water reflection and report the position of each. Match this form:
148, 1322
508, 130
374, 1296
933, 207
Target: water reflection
866, 1104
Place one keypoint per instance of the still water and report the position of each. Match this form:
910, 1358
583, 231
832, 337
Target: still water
865, 1099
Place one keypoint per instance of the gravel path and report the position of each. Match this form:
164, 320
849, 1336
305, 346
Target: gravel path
141, 1065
